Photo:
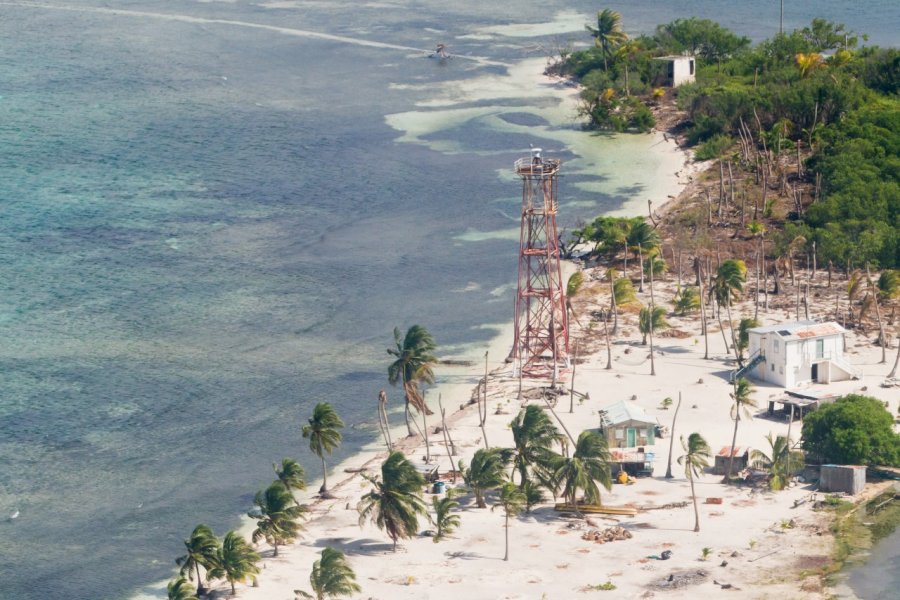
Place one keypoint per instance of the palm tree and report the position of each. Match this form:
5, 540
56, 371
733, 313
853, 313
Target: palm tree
695, 459
742, 405
512, 500
179, 589
686, 299
744, 328
533, 493
807, 63
533, 435
444, 517
646, 325
202, 548
331, 577
277, 516
642, 237
588, 465
414, 364
627, 52
608, 33
622, 293
486, 472
236, 560
781, 463
573, 286
727, 287
396, 503
291, 474
854, 286
322, 431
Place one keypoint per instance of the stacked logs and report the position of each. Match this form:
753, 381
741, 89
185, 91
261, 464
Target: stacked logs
612, 534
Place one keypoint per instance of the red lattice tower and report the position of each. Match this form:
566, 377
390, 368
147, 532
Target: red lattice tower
541, 344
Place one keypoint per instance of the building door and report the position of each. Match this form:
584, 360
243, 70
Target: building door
631, 437
815, 372
820, 348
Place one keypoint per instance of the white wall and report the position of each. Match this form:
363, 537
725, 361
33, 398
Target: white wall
789, 362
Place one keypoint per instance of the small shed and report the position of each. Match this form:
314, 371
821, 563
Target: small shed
849, 479
741, 459
677, 70
626, 425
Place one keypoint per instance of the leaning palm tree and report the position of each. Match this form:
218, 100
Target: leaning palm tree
646, 325
202, 548
277, 516
413, 365
291, 474
331, 577
695, 459
781, 463
534, 433
179, 589
727, 287
588, 465
322, 431
512, 500
622, 293
608, 34
487, 472
742, 405
445, 518
686, 299
395, 503
573, 286
236, 560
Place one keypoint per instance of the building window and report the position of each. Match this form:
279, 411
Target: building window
776, 346
773, 367
820, 348
692, 65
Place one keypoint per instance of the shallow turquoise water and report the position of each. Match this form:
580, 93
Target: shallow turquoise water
207, 227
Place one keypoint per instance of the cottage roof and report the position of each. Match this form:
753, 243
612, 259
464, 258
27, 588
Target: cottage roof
622, 412
735, 451
799, 330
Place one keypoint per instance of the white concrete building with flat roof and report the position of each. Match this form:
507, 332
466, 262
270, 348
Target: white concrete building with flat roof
792, 354
679, 69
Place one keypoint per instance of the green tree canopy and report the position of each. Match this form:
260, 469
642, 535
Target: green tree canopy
395, 503
700, 37
331, 577
855, 430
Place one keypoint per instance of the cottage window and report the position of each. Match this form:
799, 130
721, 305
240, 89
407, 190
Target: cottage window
620, 434
776, 346
820, 348
773, 367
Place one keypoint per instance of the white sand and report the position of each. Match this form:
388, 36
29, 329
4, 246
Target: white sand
548, 558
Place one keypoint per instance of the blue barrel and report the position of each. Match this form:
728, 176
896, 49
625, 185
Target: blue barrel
438, 487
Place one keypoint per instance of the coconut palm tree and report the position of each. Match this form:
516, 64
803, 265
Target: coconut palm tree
657, 323
686, 299
742, 405
744, 328
534, 433
533, 493
413, 365
277, 516
807, 63
588, 465
608, 34
573, 286
512, 500
727, 287
322, 432
622, 293
781, 462
236, 560
395, 503
179, 589
202, 548
487, 472
331, 577
444, 518
642, 237
291, 474
626, 53
695, 459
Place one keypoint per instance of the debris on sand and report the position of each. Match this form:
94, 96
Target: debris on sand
680, 579
612, 534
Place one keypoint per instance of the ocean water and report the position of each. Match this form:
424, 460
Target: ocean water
212, 216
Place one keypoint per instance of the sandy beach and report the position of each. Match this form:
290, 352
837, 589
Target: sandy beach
760, 544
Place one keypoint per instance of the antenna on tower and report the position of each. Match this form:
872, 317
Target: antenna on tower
541, 343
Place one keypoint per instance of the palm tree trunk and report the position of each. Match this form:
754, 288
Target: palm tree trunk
737, 352
721, 326
324, 487
641, 264
409, 430
650, 328
425, 430
275, 545
893, 372
608, 346
694, 498
233, 591
506, 526
737, 419
612, 304
703, 327
672, 439
199, 581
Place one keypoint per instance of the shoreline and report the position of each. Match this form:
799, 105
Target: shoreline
421, 568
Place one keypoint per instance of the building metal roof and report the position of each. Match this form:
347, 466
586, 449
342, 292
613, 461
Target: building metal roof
799, 330
737, 451
622, 412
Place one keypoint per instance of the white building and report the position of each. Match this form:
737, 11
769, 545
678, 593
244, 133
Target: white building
679, 70
791, 354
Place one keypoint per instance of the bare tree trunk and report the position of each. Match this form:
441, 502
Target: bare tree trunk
641, 261
572, 387
893, 372
878, 315
608, 345
612, 302
672, 439
650, 327
703, 316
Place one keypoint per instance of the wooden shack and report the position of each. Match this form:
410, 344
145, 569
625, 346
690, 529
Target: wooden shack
741, 459
626, 425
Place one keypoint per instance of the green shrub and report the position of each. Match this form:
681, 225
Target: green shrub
714, 147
